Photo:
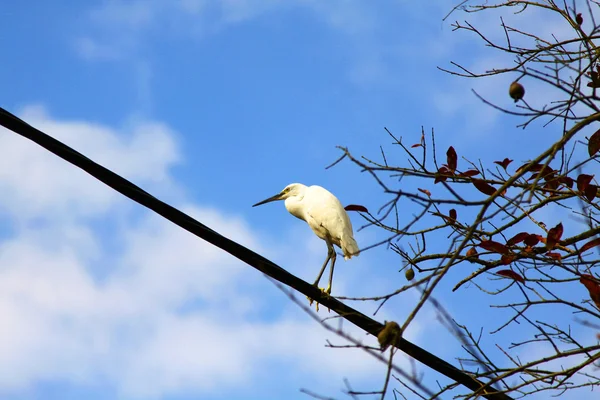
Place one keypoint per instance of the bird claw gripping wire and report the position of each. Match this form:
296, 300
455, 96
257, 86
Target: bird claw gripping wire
325, 292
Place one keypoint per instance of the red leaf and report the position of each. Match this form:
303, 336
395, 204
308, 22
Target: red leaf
469, 173
594, 143
507, 259
427, 192
544, 172
583, 181
504, 163
530, 167
565, 180
535, 167
590, 192
452, 158
518, 238
551, 184
484, 187
355, 207
417, 145
450, 219
442, 174
511, 274
592, 286
590, 282
594, 76
589, 245
472, 252
556, 256
453, 215
547, 173
554, 235
532, 240
494, 247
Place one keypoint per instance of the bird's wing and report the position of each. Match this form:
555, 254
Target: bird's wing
325, 214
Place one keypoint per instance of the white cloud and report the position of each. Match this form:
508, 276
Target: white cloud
234, 11
134, 15
120, 30
173, 314
193, 7
90, 49
42, 185
349, 17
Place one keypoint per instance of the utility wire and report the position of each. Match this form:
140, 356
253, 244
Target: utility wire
251, 258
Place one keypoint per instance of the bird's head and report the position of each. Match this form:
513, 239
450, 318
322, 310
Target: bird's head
291, 190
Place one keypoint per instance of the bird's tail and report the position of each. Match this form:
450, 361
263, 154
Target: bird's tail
349, 247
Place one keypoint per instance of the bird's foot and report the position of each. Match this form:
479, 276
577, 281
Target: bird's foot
326, 292
310, 302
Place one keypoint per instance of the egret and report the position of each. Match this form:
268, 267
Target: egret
325, 215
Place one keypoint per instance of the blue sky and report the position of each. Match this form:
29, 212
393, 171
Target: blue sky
213, 105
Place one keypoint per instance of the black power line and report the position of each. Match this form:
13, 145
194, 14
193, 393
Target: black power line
251, 258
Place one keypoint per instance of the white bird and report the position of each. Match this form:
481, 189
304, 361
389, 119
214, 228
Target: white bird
325, 215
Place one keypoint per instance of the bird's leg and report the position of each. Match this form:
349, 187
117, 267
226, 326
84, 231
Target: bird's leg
330, 254
333, 256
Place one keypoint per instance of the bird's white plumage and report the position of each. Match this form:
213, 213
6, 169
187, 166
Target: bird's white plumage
325, 215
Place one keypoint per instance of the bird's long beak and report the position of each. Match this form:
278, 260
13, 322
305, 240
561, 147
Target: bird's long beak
270, 199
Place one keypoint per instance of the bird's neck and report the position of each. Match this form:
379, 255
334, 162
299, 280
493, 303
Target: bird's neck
294, 207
